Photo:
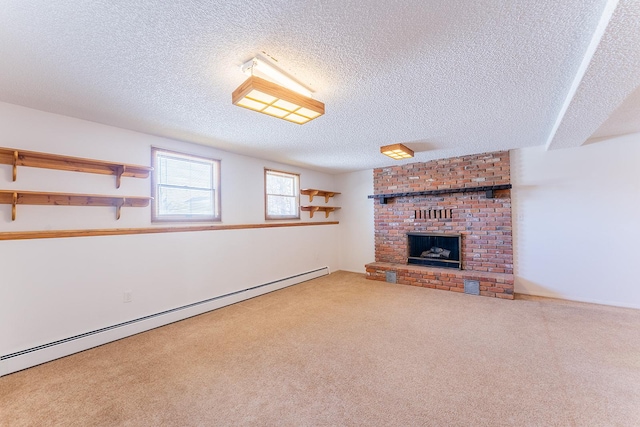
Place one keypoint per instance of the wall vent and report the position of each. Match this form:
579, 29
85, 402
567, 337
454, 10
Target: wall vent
438, 213
471, 287
391, 277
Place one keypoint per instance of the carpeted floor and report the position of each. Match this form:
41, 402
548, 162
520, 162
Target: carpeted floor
342, 350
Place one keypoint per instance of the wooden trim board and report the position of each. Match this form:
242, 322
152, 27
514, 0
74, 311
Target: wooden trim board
56, 234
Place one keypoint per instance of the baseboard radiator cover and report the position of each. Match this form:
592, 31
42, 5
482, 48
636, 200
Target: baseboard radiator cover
30, 357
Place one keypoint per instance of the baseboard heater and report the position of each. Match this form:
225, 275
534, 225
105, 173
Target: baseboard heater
145, 323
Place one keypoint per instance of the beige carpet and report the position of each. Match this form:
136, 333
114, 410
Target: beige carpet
342, 350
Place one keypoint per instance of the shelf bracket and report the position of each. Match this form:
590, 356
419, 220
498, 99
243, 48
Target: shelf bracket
311, 194
327, 196
119, 205
14, 203
313, 210
15, 165
489, 194
327, 212
119, 171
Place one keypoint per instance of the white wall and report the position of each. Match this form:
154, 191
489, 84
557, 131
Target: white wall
52, 289
356, 220
576, 217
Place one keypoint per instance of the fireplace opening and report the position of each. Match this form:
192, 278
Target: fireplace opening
436, 250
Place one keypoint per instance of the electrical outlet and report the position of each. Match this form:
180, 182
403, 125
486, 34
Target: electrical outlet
127, 297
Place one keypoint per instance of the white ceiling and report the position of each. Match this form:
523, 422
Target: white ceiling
624, 120
446, 77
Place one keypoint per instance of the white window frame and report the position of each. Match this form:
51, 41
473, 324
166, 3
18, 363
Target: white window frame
215, 170
296, 194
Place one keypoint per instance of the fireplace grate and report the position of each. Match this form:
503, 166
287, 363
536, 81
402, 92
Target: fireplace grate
434, 249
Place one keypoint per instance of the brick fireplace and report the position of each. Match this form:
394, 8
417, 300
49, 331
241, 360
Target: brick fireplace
480, 217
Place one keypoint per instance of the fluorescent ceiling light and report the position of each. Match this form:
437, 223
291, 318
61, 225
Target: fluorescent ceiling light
260, 68
397, 151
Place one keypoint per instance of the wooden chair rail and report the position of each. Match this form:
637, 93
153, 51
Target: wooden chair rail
56, 234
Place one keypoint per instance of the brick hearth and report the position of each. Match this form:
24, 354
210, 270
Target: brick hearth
484, 223
491, 284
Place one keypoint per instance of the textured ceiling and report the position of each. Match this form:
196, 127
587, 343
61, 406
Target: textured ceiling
623, 121
444, 77
612, 76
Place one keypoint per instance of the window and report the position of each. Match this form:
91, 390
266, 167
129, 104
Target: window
184, 187
282, 198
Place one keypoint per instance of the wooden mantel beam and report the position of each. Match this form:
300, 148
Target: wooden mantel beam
488, 190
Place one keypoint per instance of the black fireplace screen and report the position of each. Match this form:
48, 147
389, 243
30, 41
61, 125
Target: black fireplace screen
436, 250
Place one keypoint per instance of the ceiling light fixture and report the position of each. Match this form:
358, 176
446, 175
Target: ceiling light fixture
397, 151
269, 91
261, 68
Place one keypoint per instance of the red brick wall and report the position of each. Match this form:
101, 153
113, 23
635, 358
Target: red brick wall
485, 224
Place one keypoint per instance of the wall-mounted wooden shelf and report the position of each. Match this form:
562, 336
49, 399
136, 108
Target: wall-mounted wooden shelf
15, 198
15, 157
313, 209
311, 192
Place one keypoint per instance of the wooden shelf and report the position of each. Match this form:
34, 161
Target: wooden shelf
313, 209
311, 192
15, 157
15, 198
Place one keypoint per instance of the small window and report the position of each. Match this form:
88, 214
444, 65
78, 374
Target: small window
184, 187
282, 195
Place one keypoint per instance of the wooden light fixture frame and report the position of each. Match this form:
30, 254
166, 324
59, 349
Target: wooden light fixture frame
276, 91
392, 147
